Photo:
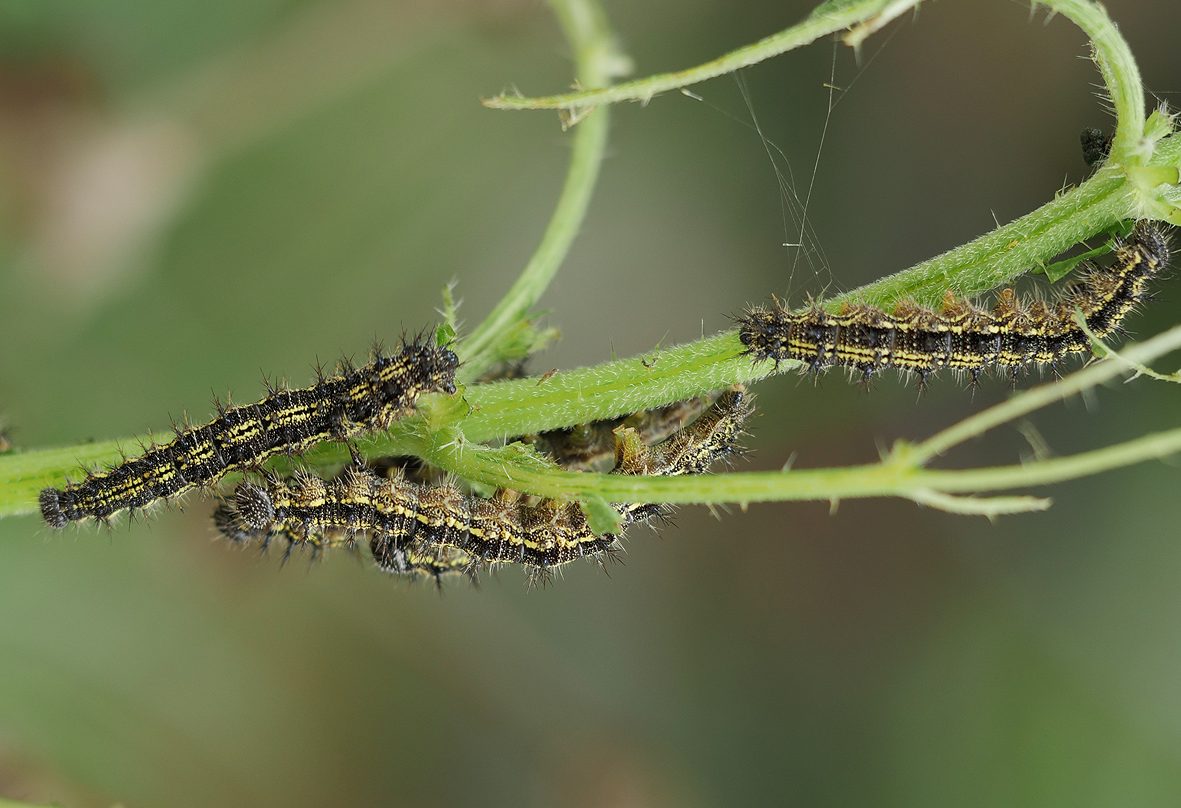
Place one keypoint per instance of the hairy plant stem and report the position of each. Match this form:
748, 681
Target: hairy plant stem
596, 61
864, 17
887, 479
900, 474
504, 409
1134, 357
829, 17
448, 432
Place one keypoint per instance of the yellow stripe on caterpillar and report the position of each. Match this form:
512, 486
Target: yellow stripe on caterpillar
961, 336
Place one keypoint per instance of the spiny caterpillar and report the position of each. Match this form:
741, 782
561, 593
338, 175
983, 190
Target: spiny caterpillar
413, 561
337, 407
429, 529
592, 446
587, 447
962, 336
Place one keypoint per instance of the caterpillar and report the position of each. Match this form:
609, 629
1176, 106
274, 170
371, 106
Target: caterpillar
592, 446
337, 407
577, 448
961, 336
438, 528
413, 561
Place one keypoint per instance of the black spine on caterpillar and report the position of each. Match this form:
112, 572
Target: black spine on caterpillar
398, 515
439, 528
962, 336
354, 401
714, 437
413, 561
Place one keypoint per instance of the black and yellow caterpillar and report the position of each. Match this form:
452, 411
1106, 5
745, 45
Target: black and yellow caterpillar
421, 528
962, 336
337, 407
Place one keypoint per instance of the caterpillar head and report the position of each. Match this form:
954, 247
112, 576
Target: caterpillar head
253, 507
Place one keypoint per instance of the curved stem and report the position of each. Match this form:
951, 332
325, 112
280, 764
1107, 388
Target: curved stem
1116, 64
874, 480
595, 56
826, 19
900, 474
1039, 397
505, 409
494, 411
1121, 76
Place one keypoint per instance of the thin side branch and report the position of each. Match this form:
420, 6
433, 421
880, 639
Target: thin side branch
828, 18
1038, 397
597, 60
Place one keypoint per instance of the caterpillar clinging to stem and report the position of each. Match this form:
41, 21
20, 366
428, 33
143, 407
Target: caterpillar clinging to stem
962, 336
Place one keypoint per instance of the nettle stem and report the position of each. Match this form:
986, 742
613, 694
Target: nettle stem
506, 333
825, 19
449, 432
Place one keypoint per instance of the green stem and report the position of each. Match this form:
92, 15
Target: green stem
885, 479
1118, 67
595, 58
494, 411
504, 409
828, 18
1103, 350
873, 480
613, 388
977, 506
1039, 397
1121, 76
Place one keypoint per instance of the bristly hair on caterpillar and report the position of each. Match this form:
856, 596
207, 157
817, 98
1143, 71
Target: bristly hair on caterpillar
413, 561
416, 528
337, 407
962, 336
592, 447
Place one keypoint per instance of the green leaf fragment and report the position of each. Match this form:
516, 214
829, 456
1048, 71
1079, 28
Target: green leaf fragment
601, 516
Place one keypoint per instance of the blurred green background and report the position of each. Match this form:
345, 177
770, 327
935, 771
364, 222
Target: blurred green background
191, 193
